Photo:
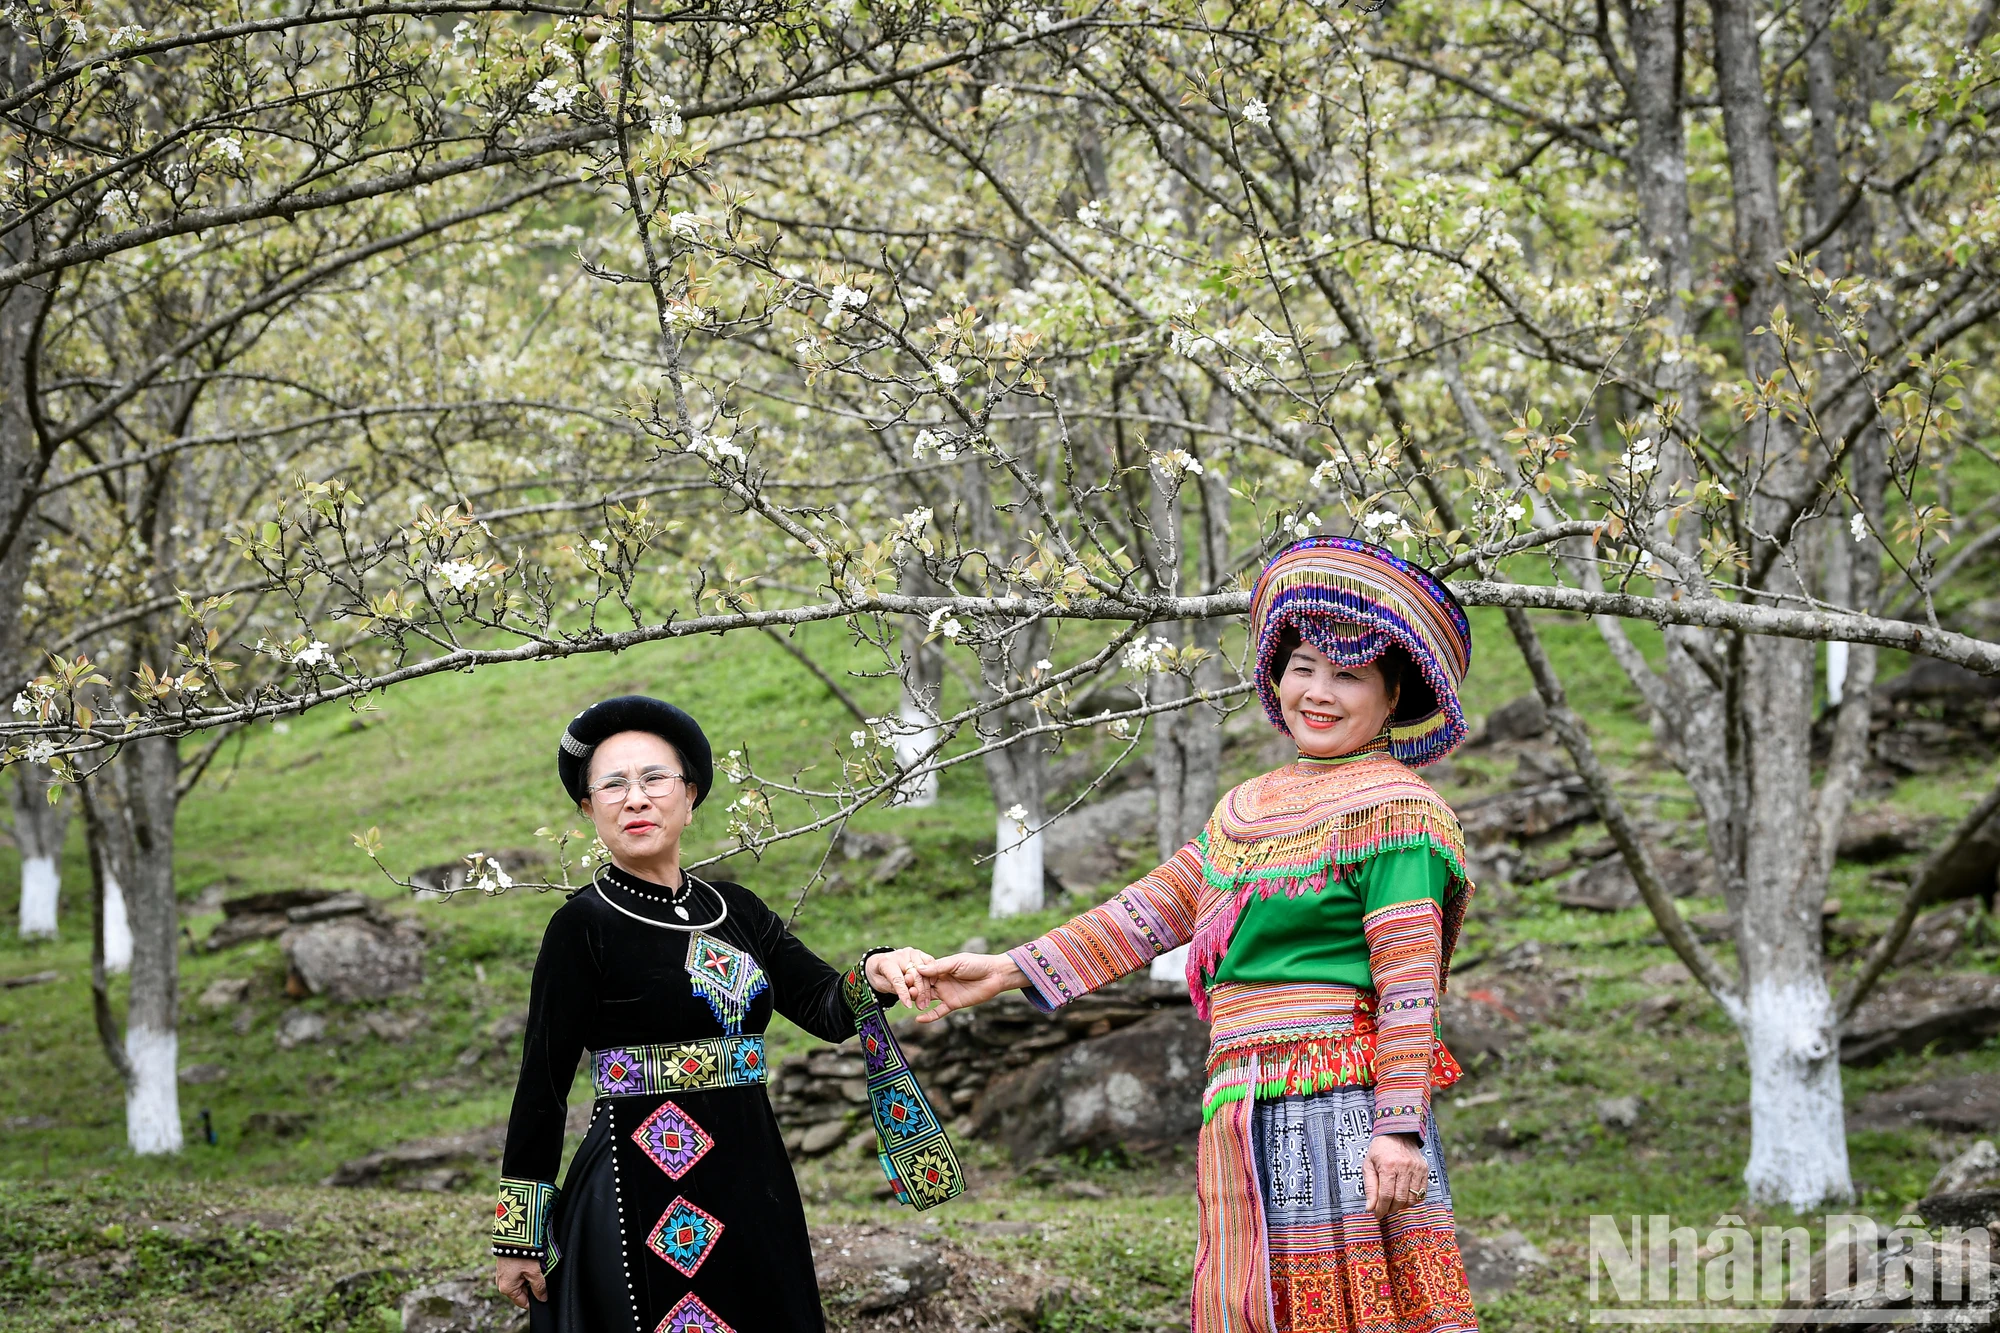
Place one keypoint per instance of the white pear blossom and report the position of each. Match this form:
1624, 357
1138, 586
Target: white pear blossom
1257, 113
1641, 458
942, 622
1856, 525
1378, 520
129, 34
1515, 512
1018, 813
1305, 524
687, 226
553, 95
1177, 463
1090, 215
857, 738
314, 654
23, 705
1145, 656
945, 373
460, 574
1045, 665
39, 750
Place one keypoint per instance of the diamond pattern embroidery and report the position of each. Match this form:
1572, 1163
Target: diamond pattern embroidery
900, 1113
876, 1052
726, 977
684, 1236
617, 1071
691, 1316
672, 1139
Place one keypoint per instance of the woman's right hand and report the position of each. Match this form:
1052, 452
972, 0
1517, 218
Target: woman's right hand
965, 979
516, 1278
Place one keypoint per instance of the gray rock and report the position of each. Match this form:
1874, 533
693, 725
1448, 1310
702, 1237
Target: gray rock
300, 1027
1849, 1299
1948, 1011
1138, 1088
275, 903
341, 904
1608, 885
471, 1151
1964, 1208
893, 863
463, 1305
885, 1270
1976, 1166
1619, 1113
1967, 1104
206, 1072
1526, 812
824, 1137
1494, 1264
356, 959
1879, 834
224, 993
1100, 841
1516, 720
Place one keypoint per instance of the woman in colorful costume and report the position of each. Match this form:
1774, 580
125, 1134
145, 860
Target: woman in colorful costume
1322, 902
680, 1213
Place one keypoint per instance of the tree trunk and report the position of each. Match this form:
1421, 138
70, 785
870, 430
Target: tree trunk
152, 1099
1018, 777
39, 830
916, 712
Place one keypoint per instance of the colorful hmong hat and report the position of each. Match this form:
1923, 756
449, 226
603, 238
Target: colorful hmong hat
1317, 584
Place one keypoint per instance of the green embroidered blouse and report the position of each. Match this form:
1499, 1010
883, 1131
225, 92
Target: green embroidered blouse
1317, 936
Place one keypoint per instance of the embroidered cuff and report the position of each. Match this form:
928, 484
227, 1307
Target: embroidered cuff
1400, 1118
521, 1219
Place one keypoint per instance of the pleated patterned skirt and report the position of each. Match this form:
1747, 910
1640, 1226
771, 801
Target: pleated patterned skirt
1286, 1243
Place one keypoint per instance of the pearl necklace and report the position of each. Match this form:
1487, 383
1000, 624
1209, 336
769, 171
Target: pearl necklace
673, 902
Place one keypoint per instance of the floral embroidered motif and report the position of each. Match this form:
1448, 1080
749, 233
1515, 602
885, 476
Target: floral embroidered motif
521, 1217
691, 1316
726, 977
690, 1065
618, 1071
672, 1139
746, 1061
900, 1113
876, 1052
684, 1236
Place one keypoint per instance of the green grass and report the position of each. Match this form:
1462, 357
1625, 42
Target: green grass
239, 1236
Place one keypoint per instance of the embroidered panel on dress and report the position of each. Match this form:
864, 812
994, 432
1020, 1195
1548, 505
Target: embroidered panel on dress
672, 1139
689, 1315
725, 976
683, 1237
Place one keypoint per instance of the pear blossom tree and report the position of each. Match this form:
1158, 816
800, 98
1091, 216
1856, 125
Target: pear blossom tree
1012, 344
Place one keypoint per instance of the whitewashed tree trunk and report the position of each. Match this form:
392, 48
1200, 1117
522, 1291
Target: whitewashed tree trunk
1018, 873
41, 888
117, 929
1798, 1129
39, 830
916, 733
152, 1097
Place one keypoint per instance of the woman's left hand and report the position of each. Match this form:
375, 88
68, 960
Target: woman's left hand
1394, 1173
897, 971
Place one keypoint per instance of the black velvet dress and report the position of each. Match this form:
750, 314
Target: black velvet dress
680, 1213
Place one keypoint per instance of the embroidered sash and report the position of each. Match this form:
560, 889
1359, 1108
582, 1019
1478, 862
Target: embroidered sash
910, 1141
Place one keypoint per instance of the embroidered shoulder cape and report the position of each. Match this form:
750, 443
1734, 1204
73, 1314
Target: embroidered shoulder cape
1290, 831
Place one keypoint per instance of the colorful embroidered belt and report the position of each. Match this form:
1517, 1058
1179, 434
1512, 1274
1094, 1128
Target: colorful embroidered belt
910, 1142
1295, 1038
681, 1066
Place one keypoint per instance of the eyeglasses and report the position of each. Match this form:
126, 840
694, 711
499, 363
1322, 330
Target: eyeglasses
617, 789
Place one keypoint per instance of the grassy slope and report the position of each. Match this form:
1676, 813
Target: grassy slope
463, 762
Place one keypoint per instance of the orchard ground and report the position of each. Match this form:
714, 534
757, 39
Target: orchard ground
240, 1235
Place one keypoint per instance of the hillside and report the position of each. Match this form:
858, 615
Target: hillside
240, 1235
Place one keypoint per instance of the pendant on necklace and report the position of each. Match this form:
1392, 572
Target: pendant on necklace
681, 912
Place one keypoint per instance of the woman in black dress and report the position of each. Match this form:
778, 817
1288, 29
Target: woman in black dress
680, 1213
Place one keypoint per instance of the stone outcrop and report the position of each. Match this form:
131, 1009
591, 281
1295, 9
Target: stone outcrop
821, 1098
